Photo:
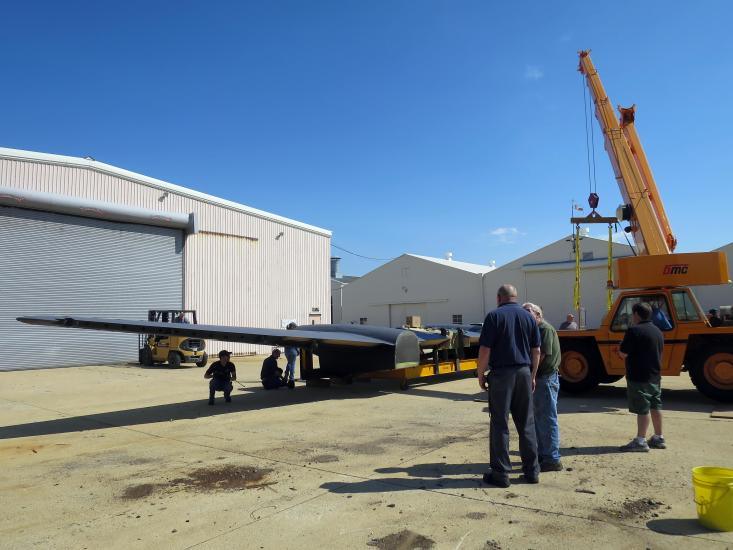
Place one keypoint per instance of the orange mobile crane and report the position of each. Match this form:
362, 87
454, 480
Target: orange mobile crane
656, 275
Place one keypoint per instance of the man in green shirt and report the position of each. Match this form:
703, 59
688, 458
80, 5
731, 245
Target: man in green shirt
545, 394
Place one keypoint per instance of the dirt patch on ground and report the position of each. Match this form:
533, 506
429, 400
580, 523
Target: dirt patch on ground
143, 490
404, 540
366, 449
224, 478
322, 459
216, 478
643, 508
476, 515
492, 545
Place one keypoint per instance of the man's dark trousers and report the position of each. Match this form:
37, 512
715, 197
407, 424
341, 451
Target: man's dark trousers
510, 390
216, 384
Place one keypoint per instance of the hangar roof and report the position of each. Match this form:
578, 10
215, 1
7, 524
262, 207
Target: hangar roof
91, 164
465, 266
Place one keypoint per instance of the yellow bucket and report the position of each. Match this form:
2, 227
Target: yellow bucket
714, 497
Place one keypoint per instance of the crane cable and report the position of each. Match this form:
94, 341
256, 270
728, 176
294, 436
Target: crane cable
576, 289
587, 145
592, 144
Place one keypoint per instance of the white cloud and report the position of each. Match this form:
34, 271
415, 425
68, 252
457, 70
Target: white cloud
505, 234
532, 72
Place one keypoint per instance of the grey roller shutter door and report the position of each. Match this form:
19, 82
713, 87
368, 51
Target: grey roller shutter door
57, 264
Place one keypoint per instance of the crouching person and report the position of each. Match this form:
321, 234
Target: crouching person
272, 375
221, 373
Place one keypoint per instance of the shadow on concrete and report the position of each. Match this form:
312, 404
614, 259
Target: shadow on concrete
438, 470
606, 398
680, 527
612, 399
431, 476
602, 399
251, 399
393, 484
590, 451
583, 451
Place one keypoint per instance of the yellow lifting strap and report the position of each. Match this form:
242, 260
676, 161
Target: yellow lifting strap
576, 290
609, 282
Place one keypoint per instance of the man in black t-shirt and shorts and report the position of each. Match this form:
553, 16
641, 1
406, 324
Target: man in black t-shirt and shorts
642, 349
221, 373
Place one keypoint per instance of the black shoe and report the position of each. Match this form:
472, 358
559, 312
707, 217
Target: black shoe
291, 384
550, 466
490, 479
211, 401
228, 399
531, 479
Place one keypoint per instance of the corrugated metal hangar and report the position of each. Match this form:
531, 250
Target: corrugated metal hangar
80, 237
433, 289
447, 291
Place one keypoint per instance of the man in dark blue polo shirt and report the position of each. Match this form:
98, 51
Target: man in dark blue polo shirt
510, 349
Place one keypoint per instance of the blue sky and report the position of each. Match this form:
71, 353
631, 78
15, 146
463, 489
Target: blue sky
402, 126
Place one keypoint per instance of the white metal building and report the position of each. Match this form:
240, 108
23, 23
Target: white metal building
437, 290
446, 291
714, 296
82, 237
547, 277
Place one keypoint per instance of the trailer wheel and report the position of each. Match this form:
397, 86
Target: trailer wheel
712, 373
204, 360
145, 356
404, 384
174, 359
581, 368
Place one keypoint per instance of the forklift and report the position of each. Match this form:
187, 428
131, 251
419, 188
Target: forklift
155, 349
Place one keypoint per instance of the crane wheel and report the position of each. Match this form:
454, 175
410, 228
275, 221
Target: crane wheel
581, 368
712, 373
204, 360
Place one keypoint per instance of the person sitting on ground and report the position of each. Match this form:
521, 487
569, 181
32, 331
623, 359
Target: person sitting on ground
569, 323
221, 373
714, 318
642, 349
272, 375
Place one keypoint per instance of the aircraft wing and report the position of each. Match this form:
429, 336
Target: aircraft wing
342, 349
249, 335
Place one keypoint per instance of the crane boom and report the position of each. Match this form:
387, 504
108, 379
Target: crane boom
644, 208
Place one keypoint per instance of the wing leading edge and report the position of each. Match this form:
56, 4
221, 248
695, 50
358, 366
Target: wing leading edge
342, 349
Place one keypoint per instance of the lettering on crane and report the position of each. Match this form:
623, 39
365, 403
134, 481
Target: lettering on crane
676, 269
